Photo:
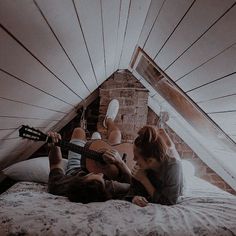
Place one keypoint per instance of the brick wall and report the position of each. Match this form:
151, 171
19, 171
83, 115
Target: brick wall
133, 100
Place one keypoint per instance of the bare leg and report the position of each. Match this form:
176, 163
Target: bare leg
79, 133
114, 133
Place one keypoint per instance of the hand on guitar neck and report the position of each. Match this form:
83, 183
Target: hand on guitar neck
55, 156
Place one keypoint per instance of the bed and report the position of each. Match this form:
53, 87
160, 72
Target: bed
28, 209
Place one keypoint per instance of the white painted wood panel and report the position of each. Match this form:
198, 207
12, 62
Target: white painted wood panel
152, 15
16, 109
226, 159
61, 15
90, 17
9, 134
14, 133
171, 13
219, 88
227, 118
8, 158
15, 123
13, 89
123, 21
6, 146
38, 38
222, 104
221, 65
110, 16
12, 149
228, 128
233, 137
200, 17
17, 61
136, 18
218, 38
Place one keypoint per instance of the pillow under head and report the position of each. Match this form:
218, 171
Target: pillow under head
32, 170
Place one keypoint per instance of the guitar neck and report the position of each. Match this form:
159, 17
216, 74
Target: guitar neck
37, 135
97, 156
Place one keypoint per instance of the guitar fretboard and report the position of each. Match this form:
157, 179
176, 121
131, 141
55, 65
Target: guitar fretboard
97, 156
37, 135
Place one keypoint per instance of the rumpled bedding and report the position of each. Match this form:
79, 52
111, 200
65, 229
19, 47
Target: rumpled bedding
28, 209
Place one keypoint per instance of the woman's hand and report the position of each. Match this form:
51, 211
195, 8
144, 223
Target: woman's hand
139, 174
140, 201
112, 157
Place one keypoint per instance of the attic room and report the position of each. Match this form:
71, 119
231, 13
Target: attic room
170, 64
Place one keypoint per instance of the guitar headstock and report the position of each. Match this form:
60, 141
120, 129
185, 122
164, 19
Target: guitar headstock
30, 133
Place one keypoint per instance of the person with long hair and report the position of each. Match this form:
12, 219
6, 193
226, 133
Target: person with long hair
159, 176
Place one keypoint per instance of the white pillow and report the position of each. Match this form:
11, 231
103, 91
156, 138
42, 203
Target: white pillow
33, 170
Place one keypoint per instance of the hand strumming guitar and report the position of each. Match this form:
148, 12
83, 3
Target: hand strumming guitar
113, 157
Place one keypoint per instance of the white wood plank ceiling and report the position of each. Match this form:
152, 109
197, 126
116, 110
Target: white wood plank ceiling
54, 53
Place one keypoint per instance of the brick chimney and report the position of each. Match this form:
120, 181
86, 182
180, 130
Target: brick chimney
133, 100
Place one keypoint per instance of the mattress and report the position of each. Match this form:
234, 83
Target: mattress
28, 209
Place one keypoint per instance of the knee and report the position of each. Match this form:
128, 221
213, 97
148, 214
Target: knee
114, 137
79, 133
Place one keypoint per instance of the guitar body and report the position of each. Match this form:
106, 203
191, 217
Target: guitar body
109, 170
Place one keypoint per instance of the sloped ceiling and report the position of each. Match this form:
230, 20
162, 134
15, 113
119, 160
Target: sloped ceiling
55, 53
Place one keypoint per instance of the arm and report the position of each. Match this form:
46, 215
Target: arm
55, 156
172, 185
169, 144
165, 138
56, 170
125, 173
141, 176
140, 187
171, 188
137, 193
113, 157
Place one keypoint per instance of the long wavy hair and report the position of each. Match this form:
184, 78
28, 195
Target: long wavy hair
150, 144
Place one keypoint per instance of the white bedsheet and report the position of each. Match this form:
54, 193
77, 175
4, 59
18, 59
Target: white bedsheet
27, 209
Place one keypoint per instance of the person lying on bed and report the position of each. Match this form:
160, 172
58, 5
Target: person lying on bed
77, 183
159, 177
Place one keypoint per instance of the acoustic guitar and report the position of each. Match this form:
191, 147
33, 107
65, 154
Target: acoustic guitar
93, 160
